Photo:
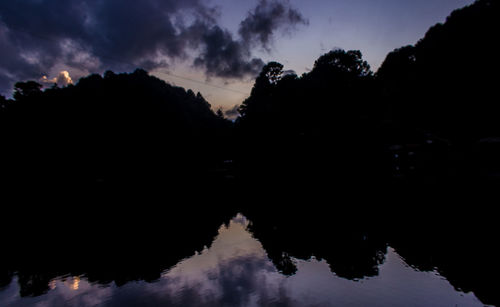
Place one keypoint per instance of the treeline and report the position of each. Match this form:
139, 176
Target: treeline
320, 125
429, 114
119, 129
446, 82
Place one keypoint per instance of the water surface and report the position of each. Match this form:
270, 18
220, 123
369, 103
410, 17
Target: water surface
236, 270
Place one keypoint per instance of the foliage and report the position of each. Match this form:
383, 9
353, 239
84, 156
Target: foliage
116, 127
445, 82
321, 120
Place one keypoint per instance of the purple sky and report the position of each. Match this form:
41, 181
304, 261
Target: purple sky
43, 37
375, 27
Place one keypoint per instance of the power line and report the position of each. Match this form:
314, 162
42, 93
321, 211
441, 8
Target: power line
203, 83
113, 59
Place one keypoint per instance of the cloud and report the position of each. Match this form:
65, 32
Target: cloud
86, 36
63, 79
222, 56
269, 16
289, 72
233, 112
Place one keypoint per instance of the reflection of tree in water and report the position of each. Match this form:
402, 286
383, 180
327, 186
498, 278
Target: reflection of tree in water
121, 249
354, 243
351, 253
5, 277
466, 257
243, 264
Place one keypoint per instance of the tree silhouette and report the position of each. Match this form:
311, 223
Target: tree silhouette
442, 84
219, 113
313, 125
264, 84
341, 62
3, 102
25, 90
439, 91
118, 128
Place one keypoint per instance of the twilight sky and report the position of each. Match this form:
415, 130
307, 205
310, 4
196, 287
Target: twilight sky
192, 43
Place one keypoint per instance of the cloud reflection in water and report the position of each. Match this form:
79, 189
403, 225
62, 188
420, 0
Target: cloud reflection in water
236, 271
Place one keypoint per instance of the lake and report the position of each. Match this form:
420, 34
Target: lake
256, 258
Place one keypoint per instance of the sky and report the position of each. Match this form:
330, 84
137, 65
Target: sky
216, 47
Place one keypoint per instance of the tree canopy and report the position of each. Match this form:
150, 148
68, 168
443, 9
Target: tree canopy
113, 127
444, 83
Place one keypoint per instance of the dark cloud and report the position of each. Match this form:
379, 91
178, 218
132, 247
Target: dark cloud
268, 17
233, 112
37, 36
222, 56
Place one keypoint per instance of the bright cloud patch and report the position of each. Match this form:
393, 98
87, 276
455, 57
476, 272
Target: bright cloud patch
63, 79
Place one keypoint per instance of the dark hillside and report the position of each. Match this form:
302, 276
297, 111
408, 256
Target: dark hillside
120, 130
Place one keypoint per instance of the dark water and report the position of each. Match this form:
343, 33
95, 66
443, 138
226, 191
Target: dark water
241, 263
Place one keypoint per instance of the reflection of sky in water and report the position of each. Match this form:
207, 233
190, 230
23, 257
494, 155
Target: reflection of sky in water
235, 271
